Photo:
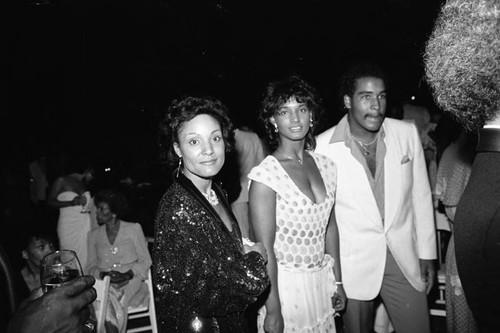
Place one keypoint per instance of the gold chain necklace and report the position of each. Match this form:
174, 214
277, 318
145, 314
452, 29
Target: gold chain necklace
365, 145
301, 162
291, 158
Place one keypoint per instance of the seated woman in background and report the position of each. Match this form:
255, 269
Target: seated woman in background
37, 244
205, 276
118, 249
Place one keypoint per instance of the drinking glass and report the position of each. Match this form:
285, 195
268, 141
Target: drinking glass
59, 267
85, 204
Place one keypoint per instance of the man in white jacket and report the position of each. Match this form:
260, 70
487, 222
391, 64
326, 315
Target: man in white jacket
383, 207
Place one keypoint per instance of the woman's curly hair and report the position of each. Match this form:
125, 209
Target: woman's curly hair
278, 93
462, 60
183, 110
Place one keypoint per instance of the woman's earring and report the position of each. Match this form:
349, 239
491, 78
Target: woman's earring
276, 128
311, 124
179, 167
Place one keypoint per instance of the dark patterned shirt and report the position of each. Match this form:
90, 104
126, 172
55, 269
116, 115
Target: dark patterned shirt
204, 280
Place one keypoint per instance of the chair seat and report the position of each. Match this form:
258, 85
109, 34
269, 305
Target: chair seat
439, 306
441, 276
131, 310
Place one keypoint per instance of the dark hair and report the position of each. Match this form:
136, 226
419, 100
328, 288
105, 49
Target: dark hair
37, 233
183, 110
462, 60
278, 93
116, 201
358, 71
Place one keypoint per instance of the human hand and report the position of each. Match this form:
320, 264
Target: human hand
257, 247
119, 277
273, 323
79, 200
339, 299
428, 273
35, 293
63, 309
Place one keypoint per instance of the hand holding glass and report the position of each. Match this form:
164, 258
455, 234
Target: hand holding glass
60, 267
84, 201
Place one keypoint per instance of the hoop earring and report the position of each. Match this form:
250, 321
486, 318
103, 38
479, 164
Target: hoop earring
179, 167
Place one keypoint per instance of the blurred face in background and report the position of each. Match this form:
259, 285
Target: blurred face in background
37, 249
201, 147
88, 175
104, 214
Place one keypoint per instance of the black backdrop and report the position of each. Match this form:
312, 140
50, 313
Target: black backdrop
96, 75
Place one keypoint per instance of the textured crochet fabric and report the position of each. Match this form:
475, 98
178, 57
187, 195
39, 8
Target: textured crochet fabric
305, 273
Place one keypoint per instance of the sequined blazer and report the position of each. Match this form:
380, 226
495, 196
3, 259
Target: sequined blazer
204, 280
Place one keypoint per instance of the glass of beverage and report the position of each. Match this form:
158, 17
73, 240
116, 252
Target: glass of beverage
84, 204
59, 267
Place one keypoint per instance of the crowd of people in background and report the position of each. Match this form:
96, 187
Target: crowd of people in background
310, 229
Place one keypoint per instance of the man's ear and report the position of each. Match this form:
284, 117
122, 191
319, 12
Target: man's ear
347, 102
177, 149
24, 254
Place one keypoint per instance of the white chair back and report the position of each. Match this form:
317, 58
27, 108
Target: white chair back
145, 311
101, 302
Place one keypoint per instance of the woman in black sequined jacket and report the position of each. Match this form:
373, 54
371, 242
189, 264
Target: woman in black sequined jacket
205, 276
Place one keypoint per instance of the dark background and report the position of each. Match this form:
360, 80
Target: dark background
95, 76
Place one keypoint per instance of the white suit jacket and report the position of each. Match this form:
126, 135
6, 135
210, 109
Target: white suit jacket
408, 228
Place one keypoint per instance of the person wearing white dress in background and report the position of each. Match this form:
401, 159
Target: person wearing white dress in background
292, 193
70, 195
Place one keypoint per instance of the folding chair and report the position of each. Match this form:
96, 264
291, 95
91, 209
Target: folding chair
144, 311
438, 307
101, 302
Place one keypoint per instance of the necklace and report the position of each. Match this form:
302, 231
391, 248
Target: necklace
295, 159
212, 197
365, 146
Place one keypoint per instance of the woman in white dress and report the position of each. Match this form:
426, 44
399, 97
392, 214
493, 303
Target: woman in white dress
292, 193
70, 195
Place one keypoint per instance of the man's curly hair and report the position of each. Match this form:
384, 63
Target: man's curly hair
462, 60
183, 110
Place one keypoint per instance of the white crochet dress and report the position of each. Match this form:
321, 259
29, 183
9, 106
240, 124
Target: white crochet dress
305, 273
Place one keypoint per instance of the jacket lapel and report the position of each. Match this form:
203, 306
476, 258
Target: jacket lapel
189, 186
393, 180
356, 178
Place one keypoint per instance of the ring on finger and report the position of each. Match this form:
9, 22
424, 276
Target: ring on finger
90, 326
